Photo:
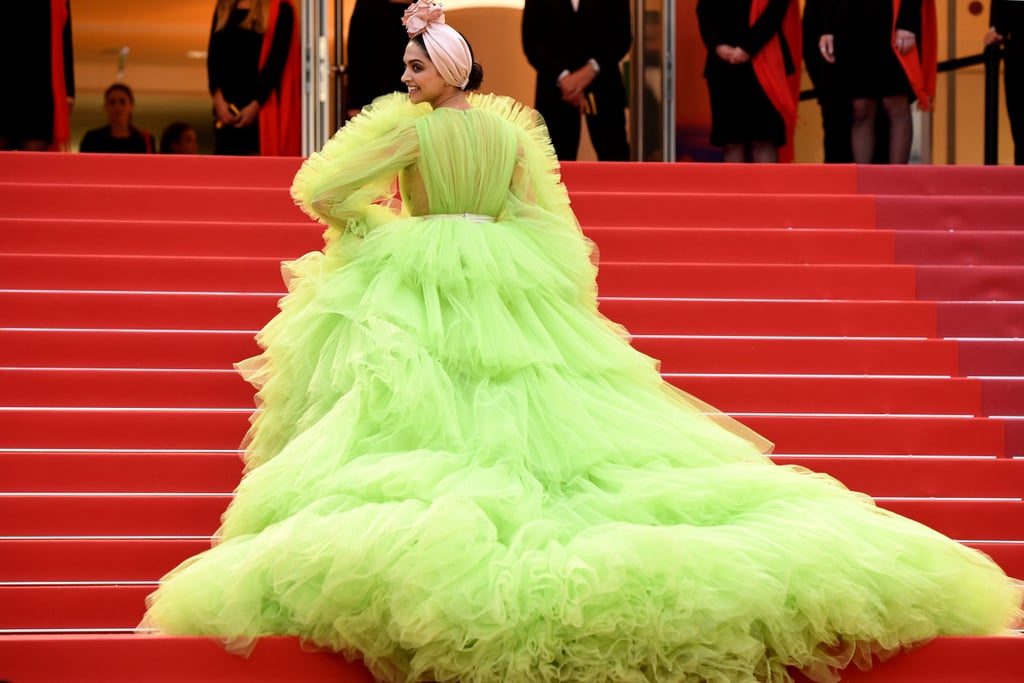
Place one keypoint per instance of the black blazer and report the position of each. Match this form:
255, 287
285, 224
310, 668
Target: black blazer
556, 39
727, 22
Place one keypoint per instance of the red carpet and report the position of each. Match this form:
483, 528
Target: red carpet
870, 321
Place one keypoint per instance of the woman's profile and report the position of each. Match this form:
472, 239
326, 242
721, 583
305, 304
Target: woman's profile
461, 471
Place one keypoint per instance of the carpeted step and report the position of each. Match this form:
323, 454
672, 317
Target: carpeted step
941, 181
914, 476
282, 240
248, 311
826, 395
222, 429
965, 248
159, 471
71, 658
124, 388
119, 471
165, 169
1002, 396
218, 349
162, 388
996, 357
263, 274
127, 202
980, 319
29, 562
163, 659
799, 355
709, 178
739, 245
977, 283
288, 239
114, 348
674, 209
948, 213
199, 515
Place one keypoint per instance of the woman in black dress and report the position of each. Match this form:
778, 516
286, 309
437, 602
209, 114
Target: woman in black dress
859, 39
744, 122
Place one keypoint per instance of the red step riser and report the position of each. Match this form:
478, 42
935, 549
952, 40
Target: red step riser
106, 560
851, 395
690, 280
979, 283
757, 281
895, 435
802, 356
949, 213
912, 477
46, 429
124, 388
995, 357
197, 515
219, 472
135, 560
1003, 396
219, 349
125, 348
940, 181
974, 248
120, 472
211, 274
671, 209
287, 240
118, 202
161, 238
167, 659
187, 310
86, 388
980, 319
728, 245
141, 170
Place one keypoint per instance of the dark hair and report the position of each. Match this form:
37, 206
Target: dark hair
476, 72
122, 87
172, 135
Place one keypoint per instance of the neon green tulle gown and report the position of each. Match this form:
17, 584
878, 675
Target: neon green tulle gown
460, 471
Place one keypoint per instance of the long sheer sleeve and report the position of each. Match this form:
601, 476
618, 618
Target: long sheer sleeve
357, 170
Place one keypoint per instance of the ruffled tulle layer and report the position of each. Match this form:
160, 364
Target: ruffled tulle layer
462, 472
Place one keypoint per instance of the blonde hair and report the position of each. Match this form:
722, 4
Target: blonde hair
256, 20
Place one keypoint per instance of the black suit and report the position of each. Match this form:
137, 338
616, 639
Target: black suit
557, 39
1008, 20
376, 48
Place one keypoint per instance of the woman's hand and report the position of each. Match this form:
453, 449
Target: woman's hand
248, 115
992, 38
731, 54
222, 109
827, 45
905, 41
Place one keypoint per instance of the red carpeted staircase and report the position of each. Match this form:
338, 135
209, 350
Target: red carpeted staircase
868, 320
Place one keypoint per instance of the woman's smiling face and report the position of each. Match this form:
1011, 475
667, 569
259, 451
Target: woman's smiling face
422, 77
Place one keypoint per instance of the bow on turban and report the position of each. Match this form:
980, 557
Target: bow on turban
446, 47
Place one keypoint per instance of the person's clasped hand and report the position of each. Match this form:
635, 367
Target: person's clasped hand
574, 83
247, 116
905, 41
827, 45
992, 37
732, 54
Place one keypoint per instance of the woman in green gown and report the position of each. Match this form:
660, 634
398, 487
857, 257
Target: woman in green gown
461, 471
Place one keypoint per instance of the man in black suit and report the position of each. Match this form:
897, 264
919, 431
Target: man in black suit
576, 47
1007, 27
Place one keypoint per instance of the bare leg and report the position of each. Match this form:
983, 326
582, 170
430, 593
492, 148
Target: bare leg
735, 153
901, 128
764, 152
863, 132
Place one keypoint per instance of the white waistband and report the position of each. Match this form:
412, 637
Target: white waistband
475, 217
